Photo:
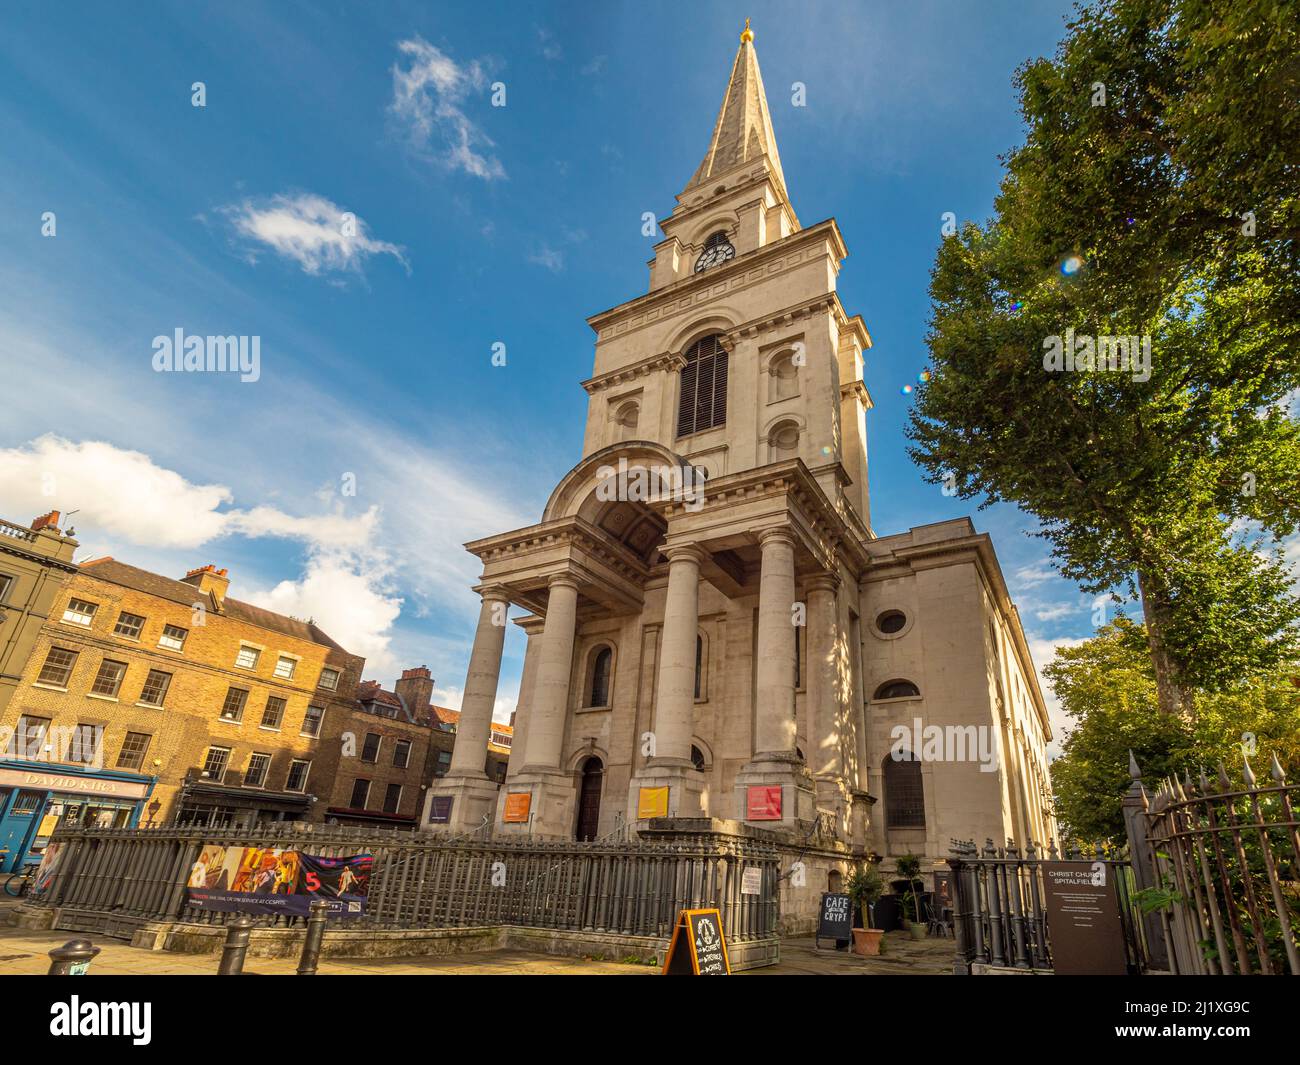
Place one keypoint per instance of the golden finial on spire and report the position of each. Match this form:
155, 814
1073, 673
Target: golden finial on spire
746, 34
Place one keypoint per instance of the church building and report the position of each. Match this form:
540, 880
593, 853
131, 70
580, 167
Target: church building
714, 629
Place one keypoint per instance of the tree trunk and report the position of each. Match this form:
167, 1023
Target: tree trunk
1169, 690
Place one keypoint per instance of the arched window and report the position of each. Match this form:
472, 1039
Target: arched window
600, 672
697, 758
784, 381
703, 403
783, 441
897, 689
626, 421
904, 792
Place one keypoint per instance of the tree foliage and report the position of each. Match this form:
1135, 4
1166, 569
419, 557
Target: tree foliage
1157, 195
1107, 688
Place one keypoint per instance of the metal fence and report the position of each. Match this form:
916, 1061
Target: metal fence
114, 880
1225, 871
999, 904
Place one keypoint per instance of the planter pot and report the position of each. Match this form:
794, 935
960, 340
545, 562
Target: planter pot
866, 941
918, 930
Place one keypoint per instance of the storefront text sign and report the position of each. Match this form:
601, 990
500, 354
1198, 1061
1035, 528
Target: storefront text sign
698, 946
26, 778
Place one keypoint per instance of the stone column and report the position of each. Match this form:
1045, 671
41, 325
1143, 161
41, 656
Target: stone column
549, 787
472, 794
824, 680
774, 726
675, 690
554, 673
774, 763
827, 694
674, 717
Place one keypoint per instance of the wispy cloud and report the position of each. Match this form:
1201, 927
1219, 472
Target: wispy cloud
549, 45
429, 95
548, 258
313, 231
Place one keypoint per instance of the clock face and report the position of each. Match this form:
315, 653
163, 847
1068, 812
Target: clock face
715, 253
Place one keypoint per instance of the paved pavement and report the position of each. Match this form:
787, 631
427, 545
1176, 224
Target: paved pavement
26, 952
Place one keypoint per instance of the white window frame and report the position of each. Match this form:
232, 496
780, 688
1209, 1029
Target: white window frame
266, 770
73, 616
338, 675
164, 637
248, 648
320, 722
225, 767
305, 776
293, 661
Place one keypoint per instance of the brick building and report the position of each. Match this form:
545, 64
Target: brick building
408, 713
147, 699
35, 563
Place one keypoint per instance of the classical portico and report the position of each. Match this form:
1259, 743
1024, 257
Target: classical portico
713, 628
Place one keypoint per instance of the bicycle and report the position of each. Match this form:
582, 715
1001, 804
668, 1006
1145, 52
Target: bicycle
20, 882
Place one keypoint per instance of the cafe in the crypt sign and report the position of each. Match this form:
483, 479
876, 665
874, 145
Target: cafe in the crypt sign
698, 946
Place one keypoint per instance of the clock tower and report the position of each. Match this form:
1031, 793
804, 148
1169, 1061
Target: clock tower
714, 629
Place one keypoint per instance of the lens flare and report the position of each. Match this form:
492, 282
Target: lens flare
906, 390
1071, 265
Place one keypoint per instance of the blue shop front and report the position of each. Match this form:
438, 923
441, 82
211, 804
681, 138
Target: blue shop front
35, 798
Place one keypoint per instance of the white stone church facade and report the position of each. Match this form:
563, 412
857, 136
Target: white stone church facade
751, 652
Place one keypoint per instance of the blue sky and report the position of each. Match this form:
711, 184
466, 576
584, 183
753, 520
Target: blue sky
476, 225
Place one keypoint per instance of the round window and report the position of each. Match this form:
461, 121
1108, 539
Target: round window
891, 621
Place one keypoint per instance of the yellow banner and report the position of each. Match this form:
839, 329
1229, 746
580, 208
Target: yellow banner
651, 802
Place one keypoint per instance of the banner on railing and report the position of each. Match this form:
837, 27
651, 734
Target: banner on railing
275, 880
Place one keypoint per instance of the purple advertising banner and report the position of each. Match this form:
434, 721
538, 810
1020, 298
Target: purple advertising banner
273, 880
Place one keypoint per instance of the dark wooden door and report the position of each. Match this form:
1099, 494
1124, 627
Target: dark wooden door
593, 771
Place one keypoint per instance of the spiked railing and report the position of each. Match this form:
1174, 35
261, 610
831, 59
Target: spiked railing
1000, 903
116, 880
1228, 861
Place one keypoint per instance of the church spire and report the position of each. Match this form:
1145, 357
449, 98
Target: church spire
743, 131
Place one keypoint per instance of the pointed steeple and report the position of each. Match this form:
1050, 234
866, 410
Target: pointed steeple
743, 131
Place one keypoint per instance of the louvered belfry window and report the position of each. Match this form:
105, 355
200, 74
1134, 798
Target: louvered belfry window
704, 387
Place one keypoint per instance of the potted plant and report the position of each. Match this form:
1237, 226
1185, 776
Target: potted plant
864, 887
909, 869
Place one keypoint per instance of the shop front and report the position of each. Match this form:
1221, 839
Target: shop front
36, 799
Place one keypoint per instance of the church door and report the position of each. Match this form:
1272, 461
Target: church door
589, 799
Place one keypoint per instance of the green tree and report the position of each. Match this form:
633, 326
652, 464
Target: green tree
1121, 216
1107, 688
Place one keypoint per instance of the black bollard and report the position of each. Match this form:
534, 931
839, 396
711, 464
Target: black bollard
232, 954
73, 958
311, 944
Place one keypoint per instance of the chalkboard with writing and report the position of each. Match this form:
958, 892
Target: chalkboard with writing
698, 946
835, 919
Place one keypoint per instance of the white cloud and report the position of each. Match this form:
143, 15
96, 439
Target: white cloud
316, 233
125, 495
450, 697
428, 102
548, 258
346, 598
1057, 612
1032, 576
1043, 651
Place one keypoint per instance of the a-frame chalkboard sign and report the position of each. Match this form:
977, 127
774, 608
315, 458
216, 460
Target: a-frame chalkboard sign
698, 946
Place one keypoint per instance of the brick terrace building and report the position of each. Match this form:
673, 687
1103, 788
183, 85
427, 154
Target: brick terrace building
148, 699
406, 713
35, 563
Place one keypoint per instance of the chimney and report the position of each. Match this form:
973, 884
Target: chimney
47, 521
416, 690
209, 579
